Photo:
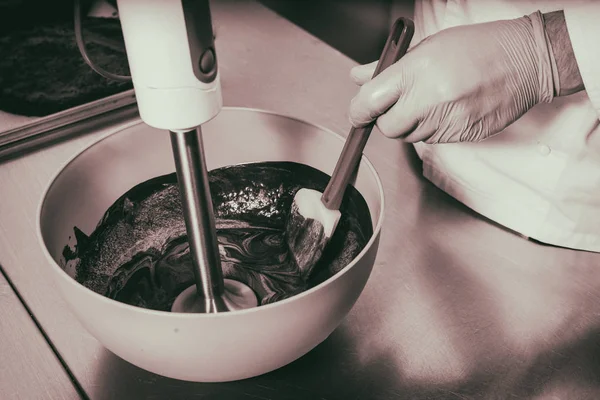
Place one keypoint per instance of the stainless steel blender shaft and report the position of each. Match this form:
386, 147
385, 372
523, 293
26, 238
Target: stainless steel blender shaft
198, 212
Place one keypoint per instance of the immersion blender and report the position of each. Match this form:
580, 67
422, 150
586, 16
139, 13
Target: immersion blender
171, 53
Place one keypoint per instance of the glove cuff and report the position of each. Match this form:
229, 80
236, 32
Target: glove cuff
549, 82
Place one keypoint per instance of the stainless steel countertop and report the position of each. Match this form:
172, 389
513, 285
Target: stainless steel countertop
456, 307
29, 369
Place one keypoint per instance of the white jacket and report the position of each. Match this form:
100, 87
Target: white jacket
541, 176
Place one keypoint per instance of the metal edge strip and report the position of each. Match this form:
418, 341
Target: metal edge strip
52, 123
76, 128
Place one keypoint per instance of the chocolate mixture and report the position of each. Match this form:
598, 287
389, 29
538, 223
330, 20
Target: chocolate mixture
138, 254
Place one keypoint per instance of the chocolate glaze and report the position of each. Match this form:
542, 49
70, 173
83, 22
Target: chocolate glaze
138, 254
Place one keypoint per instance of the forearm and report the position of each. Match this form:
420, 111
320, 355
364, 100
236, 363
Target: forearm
567, 70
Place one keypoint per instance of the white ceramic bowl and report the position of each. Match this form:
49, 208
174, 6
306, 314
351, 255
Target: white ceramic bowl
202, 347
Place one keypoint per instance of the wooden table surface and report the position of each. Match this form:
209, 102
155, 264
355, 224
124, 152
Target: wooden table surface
456, 307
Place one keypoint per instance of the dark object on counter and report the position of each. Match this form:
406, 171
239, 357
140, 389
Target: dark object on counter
138, 254
42, 71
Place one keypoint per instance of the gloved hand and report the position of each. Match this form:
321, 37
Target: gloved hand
465, 83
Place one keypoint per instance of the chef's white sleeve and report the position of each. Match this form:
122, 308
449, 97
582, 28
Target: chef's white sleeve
583, 24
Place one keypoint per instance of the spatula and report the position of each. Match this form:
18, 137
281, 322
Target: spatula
314, 216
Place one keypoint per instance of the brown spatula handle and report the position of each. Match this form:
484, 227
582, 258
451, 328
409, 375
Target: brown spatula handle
395, 47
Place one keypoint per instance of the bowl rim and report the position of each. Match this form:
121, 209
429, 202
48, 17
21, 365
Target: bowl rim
231, 314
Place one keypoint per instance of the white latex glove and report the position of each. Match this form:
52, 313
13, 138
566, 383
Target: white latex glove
465, 83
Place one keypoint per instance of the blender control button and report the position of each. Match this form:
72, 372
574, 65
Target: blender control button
207, 61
